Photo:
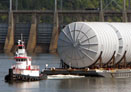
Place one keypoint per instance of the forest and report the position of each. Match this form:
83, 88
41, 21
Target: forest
116, 5
62, 4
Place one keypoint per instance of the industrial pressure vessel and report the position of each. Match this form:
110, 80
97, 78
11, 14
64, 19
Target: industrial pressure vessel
127, 27
123, 32
80, 43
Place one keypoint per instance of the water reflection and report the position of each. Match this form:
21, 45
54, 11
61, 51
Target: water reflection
75, 85
60, 85
96, 85
26, 84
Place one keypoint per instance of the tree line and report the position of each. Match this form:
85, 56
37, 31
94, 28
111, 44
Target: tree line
62, 4
116, 5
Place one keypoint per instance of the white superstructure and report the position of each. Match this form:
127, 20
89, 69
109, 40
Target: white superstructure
23, 62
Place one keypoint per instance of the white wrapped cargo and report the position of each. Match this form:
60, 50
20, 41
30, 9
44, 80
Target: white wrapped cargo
80, 43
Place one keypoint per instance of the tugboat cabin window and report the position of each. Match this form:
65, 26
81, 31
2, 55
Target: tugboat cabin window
17, 59
21, 60
20, 47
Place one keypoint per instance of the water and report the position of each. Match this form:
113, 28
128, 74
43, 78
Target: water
60, 85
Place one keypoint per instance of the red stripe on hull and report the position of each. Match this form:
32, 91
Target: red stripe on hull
20, 57
20, 45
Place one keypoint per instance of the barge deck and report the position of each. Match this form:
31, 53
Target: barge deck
112, 73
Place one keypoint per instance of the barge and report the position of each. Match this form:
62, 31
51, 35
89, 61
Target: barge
95, 49
108, 73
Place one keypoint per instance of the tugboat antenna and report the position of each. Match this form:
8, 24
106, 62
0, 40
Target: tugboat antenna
21, 37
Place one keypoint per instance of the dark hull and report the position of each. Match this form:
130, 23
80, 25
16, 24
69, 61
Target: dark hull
116, 73
17, 77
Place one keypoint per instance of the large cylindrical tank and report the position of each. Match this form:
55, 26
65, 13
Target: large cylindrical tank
80, 43
128, 54
123, 32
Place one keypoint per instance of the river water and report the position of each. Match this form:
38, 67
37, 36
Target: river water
60, 85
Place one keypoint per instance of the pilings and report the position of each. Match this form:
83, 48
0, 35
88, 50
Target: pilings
101, 13
9, 42
124, 11
53, 43
32, 36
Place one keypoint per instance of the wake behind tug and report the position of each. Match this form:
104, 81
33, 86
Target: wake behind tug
23, 70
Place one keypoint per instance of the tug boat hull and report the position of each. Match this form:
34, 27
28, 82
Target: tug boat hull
19, 77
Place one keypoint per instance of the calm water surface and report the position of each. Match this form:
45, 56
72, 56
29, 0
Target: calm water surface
60, 85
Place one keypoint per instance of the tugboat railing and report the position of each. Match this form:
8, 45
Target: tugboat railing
35, 67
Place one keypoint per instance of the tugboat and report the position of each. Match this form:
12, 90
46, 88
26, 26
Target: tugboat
23, 70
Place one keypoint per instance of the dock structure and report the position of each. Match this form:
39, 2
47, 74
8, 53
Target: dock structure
42, 35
